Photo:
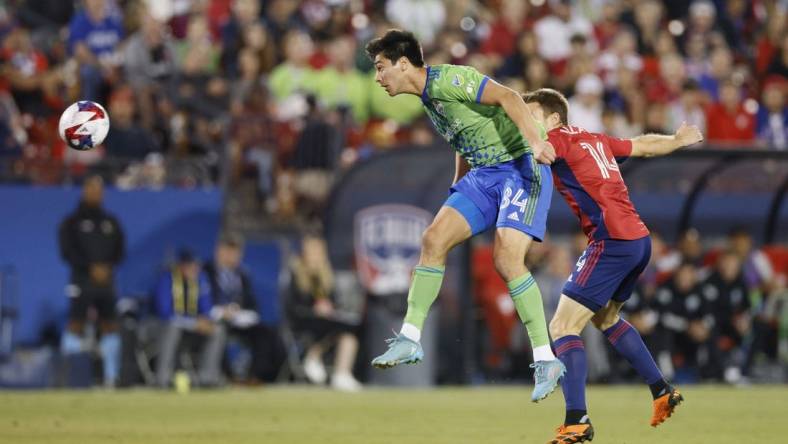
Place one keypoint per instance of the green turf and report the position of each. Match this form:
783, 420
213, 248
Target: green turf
454, 415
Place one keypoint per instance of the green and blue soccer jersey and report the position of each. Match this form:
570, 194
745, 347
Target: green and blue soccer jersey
505, 188
483, 135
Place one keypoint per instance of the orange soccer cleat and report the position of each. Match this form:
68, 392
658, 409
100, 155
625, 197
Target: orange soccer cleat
664, 406
568, 434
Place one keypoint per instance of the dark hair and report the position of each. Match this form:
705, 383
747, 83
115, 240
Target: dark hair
578, 39
739, 230
551, 102
395, 44
687, 263
185, 255
231, 239
690, 85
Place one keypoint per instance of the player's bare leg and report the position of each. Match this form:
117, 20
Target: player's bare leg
509, 253
627, 341
448, 229
565, 327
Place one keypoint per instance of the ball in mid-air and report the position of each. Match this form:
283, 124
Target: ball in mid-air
84, 125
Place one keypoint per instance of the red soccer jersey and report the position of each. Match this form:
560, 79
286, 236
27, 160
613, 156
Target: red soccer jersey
724, 126
587, 176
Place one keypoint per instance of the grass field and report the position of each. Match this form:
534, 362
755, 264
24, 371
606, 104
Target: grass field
453, 415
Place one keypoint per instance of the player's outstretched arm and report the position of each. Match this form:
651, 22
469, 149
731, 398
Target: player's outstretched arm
649, 145
461, 168
510, 100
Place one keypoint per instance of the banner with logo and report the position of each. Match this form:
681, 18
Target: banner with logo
387, 244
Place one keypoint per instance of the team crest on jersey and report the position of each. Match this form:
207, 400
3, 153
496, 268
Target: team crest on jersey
457, 80
387, 246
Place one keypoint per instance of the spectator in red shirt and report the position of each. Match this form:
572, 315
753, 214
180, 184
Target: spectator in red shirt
503, 41
668, 86
779, 64
769, 43
608, 25
25, 72
728, 121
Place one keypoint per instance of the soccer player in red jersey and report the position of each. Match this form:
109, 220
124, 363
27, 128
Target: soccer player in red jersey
587, 175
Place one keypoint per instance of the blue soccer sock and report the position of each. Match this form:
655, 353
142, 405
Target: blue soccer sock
110, 354
627, 341
70, 343
572, 353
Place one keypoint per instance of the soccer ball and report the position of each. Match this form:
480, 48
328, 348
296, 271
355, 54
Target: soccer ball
84, 125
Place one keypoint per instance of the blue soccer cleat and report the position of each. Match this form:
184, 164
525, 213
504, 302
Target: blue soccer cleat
546, 377
401, 351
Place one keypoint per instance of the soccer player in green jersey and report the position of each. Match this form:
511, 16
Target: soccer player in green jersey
498, 182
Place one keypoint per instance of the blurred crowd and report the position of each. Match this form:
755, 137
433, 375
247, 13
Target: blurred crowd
709, 310
278, 97
201, 322
279, 94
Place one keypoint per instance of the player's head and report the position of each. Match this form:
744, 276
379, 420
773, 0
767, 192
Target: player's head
187, 263
396, 55
686, 276
93, 191
740, 241
229, 251
729, 265
548, 107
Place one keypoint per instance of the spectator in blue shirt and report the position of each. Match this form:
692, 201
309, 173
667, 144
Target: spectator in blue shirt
772, 117
182, 301
94, 35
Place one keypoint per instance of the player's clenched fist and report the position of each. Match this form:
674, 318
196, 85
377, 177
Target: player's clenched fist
544, 152
688, 134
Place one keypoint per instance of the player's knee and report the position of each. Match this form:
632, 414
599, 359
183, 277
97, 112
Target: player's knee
107, 327
508, 266
76, 326
561, 327
433, 245
604, 320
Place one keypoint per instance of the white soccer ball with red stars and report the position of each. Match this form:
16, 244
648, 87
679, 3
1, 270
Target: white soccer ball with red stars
84, 125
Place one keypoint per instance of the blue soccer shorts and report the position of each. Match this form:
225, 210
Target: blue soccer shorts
514, 194
608, 269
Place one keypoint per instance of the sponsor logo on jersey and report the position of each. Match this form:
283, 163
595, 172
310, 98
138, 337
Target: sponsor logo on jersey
457, 80
469, 88
387, 245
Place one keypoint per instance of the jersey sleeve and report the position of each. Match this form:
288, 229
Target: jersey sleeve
621, 148
458, 84
558, 143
